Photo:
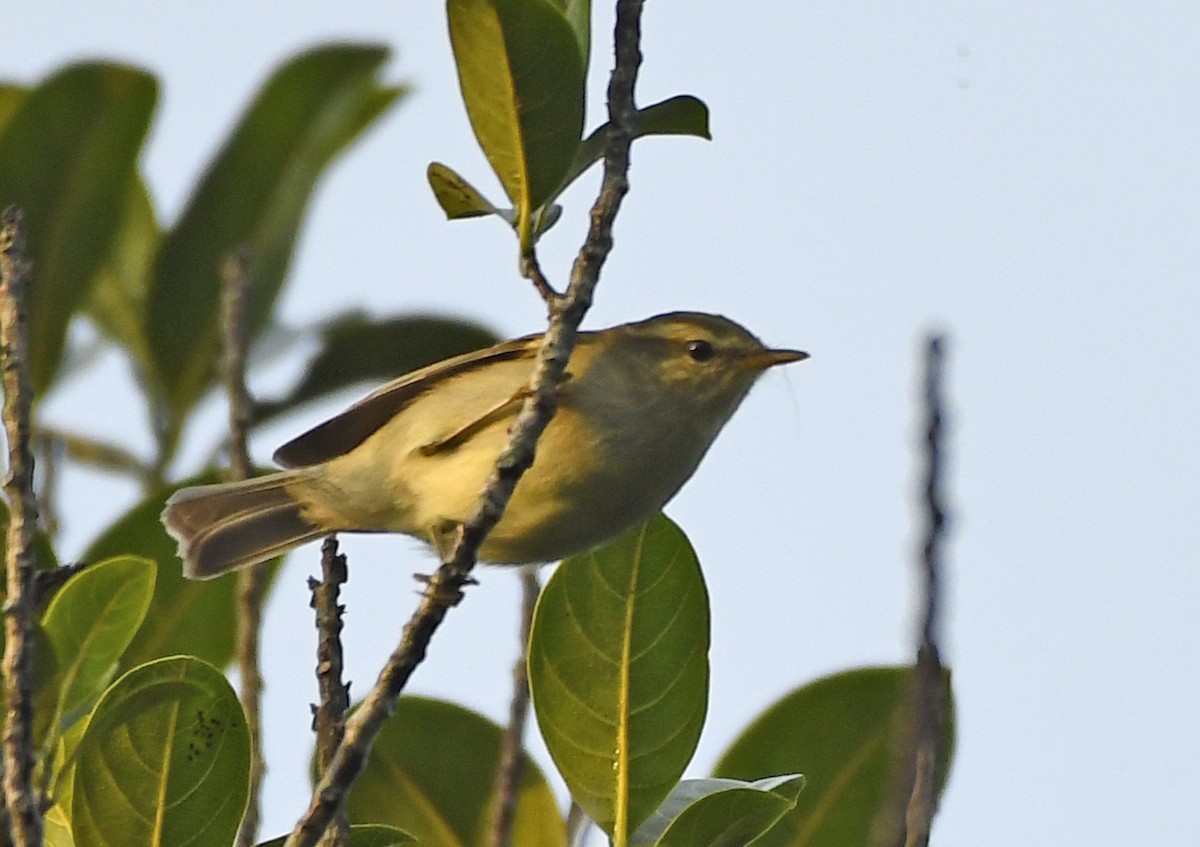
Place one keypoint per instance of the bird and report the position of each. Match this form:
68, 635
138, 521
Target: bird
640, 405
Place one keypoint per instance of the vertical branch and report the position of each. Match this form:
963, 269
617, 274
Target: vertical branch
923, 757
444, 588
929, 699
234, 276
329, 717
512, 758
20, 799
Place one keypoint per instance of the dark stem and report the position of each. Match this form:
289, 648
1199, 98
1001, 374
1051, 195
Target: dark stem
444, 588
20, 798
330, 715
923, 756
512, 750
250, 581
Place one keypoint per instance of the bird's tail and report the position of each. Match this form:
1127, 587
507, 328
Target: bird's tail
237, 524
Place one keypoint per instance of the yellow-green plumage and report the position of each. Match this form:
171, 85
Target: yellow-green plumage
642, 404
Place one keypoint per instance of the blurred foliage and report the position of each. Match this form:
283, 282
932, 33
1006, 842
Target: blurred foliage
431, 772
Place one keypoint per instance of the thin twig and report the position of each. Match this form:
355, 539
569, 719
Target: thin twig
50, 453
923, 755
329, 717
512, 750
445, 586
251, 582
531, 269
20, 797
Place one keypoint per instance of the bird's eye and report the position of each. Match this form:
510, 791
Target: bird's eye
700, 350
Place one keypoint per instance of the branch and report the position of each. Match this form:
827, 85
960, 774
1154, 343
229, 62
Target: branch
250, 581
445, 586
512, 759
915, 803
19, 796
330, 716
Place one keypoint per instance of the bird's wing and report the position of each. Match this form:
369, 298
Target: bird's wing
342, 433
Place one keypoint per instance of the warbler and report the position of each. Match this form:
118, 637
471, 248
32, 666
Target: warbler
641, 404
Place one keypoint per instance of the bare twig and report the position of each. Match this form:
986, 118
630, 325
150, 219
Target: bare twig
532, 271
251, 581
329, 717
235, 273
512, 758
20, 797
50, 453
445, 586
923, 757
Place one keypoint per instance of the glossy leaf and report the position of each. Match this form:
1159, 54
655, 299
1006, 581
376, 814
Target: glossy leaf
118, 299
365, 835
66, 155
522, 79
618, 667
457, 197
432, 773
356, 348
719, 812
89, 624
164, 760
679, 115
841, 732
254, 195
185, 617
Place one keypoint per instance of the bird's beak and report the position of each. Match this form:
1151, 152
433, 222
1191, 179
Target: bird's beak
770, 358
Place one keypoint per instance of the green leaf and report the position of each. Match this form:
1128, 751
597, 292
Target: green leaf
679, 115
254, 195
66, 155
457, 197
364, 835
58, 818
357, 348
522, 78
432, 772
618, 667
57, 829
185, 617
164, 760
118, 299
841, 732
11, 98
579, 15
89, 624
719, 812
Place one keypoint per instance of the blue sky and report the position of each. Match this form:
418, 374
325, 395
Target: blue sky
1022, 176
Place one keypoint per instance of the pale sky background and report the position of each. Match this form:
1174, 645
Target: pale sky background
1023, 175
